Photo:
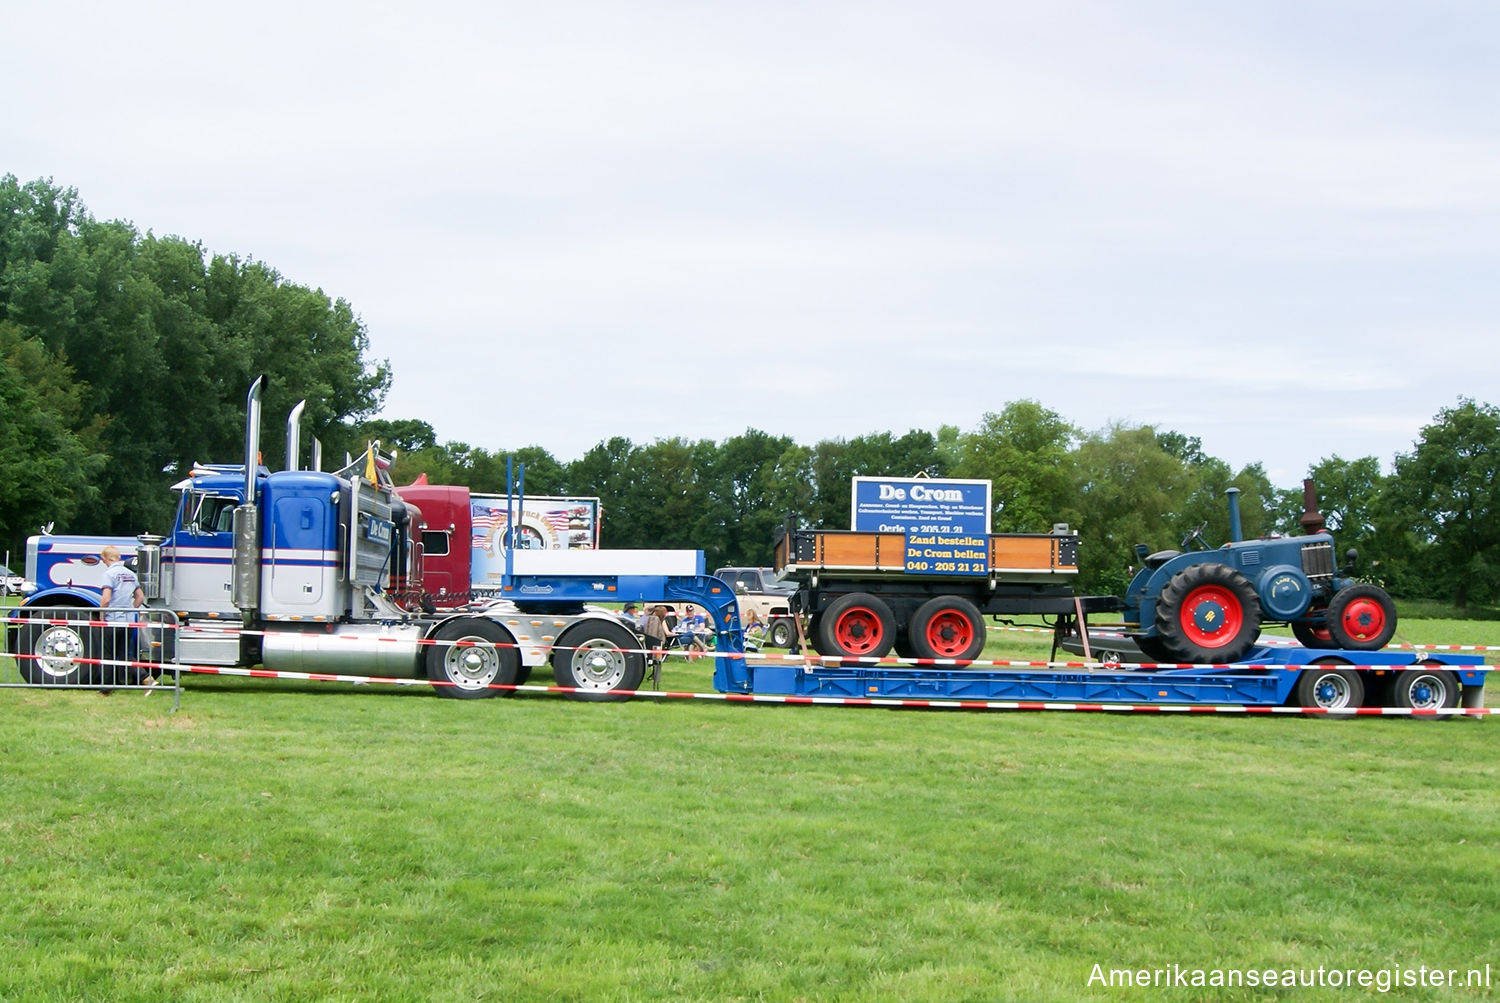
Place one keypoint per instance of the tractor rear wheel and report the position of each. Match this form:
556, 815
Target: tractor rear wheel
1208, 613
946, 627
1361, 618
1152, 649
857, 625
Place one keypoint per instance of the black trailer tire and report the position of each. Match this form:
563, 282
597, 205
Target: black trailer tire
471, 657
946, 627
1208, 613
1324, 685
53, 653
1314, 638
599, 660
783, 633
1361, 618
857, 625
1425, 688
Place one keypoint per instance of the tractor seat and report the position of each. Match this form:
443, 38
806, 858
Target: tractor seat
1156, 560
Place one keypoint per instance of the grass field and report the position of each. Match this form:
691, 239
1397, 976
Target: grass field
281, 842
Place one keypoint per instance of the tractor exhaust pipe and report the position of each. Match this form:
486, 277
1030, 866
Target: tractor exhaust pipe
1235, 534
1310, 519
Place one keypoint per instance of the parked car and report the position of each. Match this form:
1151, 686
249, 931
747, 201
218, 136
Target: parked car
757, 589
13, 584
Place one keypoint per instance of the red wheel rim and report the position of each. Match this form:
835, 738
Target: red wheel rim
858, 630
1363, 619
1211, 617
949, 633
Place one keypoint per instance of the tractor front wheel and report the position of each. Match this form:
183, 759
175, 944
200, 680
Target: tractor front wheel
1361, 618
1208, 613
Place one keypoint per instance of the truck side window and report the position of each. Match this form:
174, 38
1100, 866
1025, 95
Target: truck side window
435, 543
211, 514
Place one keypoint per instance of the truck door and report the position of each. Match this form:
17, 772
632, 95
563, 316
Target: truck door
202, 555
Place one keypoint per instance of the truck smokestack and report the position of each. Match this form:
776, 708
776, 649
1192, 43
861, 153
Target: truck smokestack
252, 436
294, 435
1311, 520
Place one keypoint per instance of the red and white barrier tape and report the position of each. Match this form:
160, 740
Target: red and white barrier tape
809, 661
761, 698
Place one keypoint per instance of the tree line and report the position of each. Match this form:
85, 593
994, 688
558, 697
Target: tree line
124, 358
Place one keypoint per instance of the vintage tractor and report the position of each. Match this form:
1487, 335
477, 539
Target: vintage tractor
1208, 605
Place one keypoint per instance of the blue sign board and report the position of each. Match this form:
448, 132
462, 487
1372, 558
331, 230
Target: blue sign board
946, 522
920, 505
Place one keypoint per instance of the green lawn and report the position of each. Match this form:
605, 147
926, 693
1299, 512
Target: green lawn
280, 842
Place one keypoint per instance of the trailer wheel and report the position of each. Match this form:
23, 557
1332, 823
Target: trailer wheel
782, 633
946, 627
472, 655
1208, 613
54, 654
1322, 685
1425, 688
599, 660
1361, 618
856, 625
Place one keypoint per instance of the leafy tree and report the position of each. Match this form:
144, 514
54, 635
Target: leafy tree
47, 450
1127, 491
1025, 452
1446, 491
168, 340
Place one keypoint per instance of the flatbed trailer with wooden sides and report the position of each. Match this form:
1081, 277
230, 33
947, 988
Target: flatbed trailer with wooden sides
925, 595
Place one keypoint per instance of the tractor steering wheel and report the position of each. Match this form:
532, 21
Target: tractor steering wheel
1196, 534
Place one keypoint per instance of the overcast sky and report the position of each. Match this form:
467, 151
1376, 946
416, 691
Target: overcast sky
1271, 225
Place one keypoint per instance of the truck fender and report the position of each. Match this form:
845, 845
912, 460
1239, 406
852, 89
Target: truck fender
64, 595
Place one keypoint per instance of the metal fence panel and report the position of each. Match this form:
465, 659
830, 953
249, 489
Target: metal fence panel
76, 648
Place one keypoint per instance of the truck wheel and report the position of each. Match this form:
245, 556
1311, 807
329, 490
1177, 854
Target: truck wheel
1322, 685
1426, 688
1361, 618
782, 634
856, 625
946, 627
472, 655
600, 660
55, 652
1312, 637
1208, 613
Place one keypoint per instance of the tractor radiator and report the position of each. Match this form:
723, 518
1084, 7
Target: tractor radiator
1317, 560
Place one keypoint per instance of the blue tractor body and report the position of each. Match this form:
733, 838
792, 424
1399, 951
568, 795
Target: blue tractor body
1208, 605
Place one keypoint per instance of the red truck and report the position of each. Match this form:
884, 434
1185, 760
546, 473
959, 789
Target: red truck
463, 532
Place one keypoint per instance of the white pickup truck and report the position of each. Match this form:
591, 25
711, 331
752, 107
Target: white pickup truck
757, 589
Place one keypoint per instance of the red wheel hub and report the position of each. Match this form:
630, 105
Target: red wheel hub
1363, 619
1212, 616
858, 630
949, 633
